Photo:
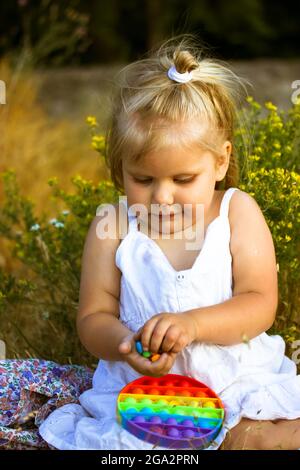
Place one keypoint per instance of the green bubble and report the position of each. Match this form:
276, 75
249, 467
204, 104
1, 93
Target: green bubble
130, 400
146, 401
162, 402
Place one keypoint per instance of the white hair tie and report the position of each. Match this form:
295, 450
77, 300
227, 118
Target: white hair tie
179, 77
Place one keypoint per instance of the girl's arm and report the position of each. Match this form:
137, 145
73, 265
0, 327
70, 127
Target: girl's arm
98, 326
252, 309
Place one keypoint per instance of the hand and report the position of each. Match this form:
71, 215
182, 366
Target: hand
142, 364
167, 332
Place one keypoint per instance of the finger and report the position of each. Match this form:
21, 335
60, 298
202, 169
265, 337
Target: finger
138, 363
171, 339
147, 333
138, 334
125, 348
149, 368
172, 355
158, 366
158, 335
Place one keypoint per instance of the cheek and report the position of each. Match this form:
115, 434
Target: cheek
196, 205
189, 195
136, 194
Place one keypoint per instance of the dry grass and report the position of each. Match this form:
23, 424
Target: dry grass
39, 147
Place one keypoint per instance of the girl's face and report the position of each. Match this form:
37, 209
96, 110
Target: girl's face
171, 178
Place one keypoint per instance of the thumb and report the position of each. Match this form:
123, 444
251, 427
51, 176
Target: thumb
125, 346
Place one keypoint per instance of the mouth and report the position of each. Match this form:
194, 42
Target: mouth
164, 216
171, 216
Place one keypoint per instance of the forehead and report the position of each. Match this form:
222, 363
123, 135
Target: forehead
171, 161
171, 148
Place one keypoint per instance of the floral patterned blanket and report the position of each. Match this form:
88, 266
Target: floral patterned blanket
30, 389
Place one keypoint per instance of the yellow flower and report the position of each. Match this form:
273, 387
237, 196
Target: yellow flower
276, 154
270, 106
255, 158
98, 143
98, 138
288, 238
91, 120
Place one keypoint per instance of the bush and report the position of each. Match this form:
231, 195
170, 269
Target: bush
38, 309
271, 175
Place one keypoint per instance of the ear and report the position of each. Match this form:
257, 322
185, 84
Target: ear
222, 161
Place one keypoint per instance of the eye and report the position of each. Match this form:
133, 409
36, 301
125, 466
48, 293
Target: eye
188, 180
149, 180
146, 181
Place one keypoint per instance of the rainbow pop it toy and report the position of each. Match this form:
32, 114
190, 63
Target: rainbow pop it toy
172, 411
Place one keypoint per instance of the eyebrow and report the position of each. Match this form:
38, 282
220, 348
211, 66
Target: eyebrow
187, 173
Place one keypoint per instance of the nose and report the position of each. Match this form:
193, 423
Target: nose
163, 195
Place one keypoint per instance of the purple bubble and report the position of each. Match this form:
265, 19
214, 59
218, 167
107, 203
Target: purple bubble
173, 432
171, 421
188, 433
188, 422
155, 419
139, 419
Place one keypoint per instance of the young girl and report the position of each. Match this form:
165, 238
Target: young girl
206, 310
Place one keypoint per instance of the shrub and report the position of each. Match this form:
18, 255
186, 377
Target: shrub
37, 311
271, 175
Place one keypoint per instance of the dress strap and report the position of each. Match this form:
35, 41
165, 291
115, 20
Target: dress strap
224, 209
132, 219
132, 222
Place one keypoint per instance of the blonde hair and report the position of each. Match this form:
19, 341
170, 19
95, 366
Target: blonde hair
148, 105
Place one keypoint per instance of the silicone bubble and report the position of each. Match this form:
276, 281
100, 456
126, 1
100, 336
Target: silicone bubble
130, 400
154, 391
162, 402
171, 421
188, 422
173, 432
138, 391
139, 419
155, 419
173, 411
146, 401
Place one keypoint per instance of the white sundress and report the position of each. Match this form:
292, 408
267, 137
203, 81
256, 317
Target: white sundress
254, 380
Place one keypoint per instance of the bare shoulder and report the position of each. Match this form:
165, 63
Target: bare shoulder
245, 216
108, 214
252, 248
100, 277
103, 233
